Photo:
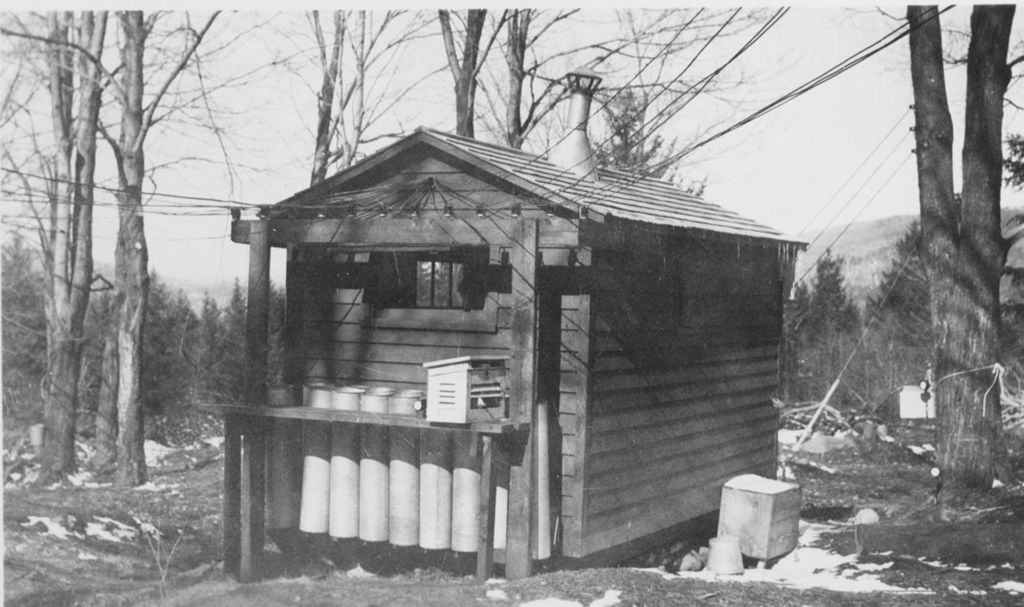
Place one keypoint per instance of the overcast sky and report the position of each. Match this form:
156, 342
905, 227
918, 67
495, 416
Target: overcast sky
781, 170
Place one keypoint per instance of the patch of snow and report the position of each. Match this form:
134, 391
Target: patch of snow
110, 530
610, 599
214, 441
496, 594
1009, 586
956, 590
551, 602
77, 480
151, 486
53, 526
155, 452
496, 580
965, 567
359, 572
874, 566
997, 484
808, 567
85, 556
789, 437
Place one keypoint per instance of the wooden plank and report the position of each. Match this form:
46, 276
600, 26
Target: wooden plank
576, 337
488, 490
667, 456
654, 521
253, 477
672, 403
725, 459
363, 417
257, 343
523, 387
399, 232
231, 514
681, 376
731, 408
370, 353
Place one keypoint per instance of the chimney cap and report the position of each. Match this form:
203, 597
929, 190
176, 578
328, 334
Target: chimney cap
583, 79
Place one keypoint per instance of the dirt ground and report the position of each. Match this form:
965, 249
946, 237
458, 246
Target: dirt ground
87, 545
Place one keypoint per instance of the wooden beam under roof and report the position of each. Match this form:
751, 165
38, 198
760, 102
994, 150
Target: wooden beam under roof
400, 232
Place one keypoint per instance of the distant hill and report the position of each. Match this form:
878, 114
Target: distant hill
867, 249
195, 289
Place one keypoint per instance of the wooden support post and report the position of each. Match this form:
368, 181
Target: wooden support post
523, 387
253, 475
231, 517
245, 456
485, 550
257, 313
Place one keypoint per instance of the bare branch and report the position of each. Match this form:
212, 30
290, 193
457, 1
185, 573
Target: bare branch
84, 51
151, 108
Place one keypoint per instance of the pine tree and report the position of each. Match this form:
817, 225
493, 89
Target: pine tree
829, 329
168, 350
234, 345
24, 329
210, 351
902, 297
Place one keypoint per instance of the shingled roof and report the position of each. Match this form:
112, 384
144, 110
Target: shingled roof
616, 193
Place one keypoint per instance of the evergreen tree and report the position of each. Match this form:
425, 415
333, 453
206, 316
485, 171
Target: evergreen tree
902, 297
234, 345
631, 147
211, 351
168, 348
831, 322
24, 329
792, 368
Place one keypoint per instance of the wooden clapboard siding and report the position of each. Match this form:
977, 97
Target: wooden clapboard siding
684, 361
346, 347
573, 388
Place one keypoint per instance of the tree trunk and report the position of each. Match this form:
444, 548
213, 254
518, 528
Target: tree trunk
464, 70
515, 57
960, 259
132, 259
106, 409
70, 246
971, 420
330, 57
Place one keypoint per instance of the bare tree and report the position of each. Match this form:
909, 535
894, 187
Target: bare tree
641, 52
131, 255
465, 60
963, 246
354, 90
73, 47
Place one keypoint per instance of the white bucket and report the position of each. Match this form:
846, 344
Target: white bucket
403, 403
377, 400
346, 398
318, 395
724, 555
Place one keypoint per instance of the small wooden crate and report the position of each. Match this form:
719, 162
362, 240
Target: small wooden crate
763, 514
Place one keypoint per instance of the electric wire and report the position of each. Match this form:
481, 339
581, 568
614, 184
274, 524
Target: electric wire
853, 220
842, 67
857, 192
853, 174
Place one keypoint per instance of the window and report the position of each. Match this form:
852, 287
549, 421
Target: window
440, 284
433, 280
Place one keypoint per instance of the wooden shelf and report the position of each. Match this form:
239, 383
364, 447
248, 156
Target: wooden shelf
363, 417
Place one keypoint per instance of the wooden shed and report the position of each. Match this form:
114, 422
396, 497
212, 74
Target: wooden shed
642, 326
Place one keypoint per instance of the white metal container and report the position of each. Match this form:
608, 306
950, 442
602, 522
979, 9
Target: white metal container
467, 389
